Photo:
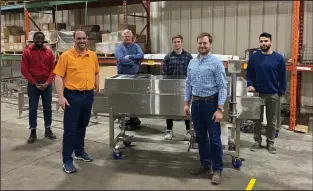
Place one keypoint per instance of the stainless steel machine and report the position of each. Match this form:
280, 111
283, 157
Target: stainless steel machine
149, 96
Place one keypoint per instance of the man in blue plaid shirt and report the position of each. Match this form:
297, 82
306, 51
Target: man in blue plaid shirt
206, 91
175, 64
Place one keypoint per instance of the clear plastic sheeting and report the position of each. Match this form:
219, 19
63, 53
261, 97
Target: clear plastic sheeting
65, 40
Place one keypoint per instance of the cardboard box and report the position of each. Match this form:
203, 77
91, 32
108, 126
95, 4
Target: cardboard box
86, 28
50, 36
19, 47
9, 46
57, 26
120, 27
23, 38
105, 37
141, 38
44, 26
115, 36
102, 47
14, 39
91, 45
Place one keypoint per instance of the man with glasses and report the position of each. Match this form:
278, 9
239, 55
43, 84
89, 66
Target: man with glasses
128, 55
77, 78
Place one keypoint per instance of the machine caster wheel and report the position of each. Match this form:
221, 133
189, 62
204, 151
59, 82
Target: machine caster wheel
127, 143
232, 147
276, 134
117, 155
244, 129
236, 162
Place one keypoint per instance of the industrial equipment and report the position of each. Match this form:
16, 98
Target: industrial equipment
161, 96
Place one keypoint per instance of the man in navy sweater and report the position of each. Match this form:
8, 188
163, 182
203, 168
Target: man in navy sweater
128, 55
266, 74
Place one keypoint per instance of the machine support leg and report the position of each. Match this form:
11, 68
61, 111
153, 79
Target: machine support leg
20, 103
237, 142
111, 130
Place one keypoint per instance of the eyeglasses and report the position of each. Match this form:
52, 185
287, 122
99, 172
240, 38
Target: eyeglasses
83, 38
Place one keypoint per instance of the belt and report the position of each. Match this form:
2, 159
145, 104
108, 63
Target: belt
203, 98
80, 91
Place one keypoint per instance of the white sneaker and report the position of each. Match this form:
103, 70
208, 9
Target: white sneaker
169, 135
187, 136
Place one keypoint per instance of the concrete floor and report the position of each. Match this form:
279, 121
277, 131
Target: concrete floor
150, 164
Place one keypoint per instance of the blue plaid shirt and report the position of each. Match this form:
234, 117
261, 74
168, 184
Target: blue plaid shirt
176, 64
130, 65
205, 78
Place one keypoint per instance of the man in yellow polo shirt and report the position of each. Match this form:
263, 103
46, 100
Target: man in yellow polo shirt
76, 80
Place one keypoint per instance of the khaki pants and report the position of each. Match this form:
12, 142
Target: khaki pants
272, 105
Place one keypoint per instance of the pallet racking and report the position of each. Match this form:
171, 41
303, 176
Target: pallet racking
294, 66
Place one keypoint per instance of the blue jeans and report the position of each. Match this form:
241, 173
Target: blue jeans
207, 133
76, 120
33, 99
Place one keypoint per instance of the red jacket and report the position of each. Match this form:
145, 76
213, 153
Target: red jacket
38, 64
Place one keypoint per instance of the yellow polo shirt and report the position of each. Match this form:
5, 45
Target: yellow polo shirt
78, 72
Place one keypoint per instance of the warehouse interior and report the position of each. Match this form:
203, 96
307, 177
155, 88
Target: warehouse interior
153, 163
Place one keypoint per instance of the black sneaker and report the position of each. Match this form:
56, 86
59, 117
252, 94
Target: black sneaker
49, 134
271, 149
33, 137
255, 147
200, 170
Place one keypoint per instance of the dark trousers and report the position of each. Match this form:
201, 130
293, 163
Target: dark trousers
76, 120
210, 147
169, 124
33, 100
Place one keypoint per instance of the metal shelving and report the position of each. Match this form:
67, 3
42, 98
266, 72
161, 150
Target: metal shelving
294, 66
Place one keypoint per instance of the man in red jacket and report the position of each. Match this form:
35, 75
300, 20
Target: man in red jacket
37, 67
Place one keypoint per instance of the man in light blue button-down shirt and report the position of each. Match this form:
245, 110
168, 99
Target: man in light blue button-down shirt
206, 88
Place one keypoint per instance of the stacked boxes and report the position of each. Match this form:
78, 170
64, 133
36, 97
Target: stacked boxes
12, 39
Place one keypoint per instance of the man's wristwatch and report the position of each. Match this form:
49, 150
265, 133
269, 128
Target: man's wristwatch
221, 109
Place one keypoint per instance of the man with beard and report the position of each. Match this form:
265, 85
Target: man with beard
77, 78
206, 88
128, 54
266, 74
37, 67
175, 64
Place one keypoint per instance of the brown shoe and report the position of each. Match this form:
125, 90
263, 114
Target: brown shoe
217, 178
33, 137
200, 170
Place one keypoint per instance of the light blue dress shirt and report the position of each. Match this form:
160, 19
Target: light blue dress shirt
205, 78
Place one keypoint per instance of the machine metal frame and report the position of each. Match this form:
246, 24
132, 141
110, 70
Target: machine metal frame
120, 95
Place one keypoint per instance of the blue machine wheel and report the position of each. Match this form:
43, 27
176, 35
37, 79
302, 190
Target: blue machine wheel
276, 134
117, 155
127, 143
236, 162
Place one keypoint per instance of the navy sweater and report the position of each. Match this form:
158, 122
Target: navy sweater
267, 73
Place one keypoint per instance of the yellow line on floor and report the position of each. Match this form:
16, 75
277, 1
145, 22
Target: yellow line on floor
251, 184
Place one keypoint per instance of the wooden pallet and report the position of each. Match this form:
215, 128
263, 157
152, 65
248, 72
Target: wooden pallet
106, 55
3, 2
13, 52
